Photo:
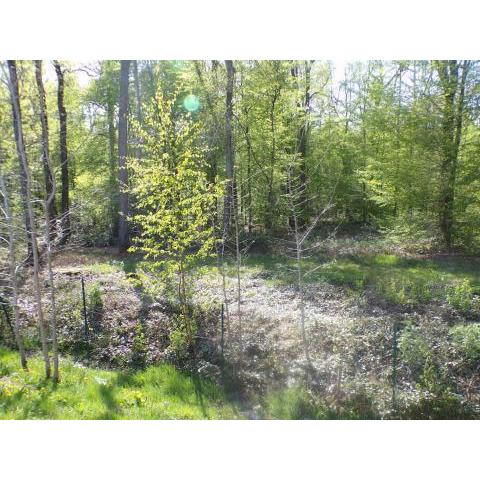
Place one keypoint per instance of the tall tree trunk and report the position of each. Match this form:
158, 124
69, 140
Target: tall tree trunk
12, 68
138, 104
213, 136
273, 155
398, 133
123, 234
47, 171
453, 92
49, 206
249, 183
346, 160
228, 204
302, 142
113, 171
62, 113
53, 321
31, 215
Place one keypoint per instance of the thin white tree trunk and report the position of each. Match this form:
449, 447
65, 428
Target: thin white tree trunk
53, 320
239, 286
48, 206
31, 219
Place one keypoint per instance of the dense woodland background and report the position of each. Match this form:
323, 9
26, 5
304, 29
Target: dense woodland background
392, 145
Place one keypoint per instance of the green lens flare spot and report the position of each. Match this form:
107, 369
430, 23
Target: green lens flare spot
178, 64
191, 103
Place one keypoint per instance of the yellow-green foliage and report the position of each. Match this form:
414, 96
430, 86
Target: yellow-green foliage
460, 296
466, 339
174, 199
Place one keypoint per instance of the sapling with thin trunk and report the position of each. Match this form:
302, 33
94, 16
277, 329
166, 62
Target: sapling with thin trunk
296, 187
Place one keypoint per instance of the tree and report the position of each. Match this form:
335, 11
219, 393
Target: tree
17, 128
62, 113
229, 202
13, 85
138, 102
207, 86
47, 171
303, 137
453, 76
174, 202
300, 232
123, 233
49, 207
102, 99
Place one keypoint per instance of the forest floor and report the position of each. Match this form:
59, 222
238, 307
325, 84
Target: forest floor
351, 301
356, 293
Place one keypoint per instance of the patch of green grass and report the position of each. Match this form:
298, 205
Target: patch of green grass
101, 268
159, 392
293, 404
398, 280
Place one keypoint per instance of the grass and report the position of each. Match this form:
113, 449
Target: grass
397, 279
394, 278
159, 392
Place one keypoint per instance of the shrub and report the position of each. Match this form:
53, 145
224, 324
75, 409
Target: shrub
414, 349
94, 305
139, 348
444, 406
435, 400
404, 291
460, 296
466, 339
182, 336
431, 379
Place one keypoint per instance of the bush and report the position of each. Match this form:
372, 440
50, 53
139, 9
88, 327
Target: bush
139, 348
466, 339
182, 336
445, 406
460, 296
401, 290
414, 349
94, 306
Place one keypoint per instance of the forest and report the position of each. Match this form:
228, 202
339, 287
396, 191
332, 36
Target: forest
232, 239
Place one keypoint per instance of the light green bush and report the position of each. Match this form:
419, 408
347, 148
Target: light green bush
414, 349
466, 339
460, 296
